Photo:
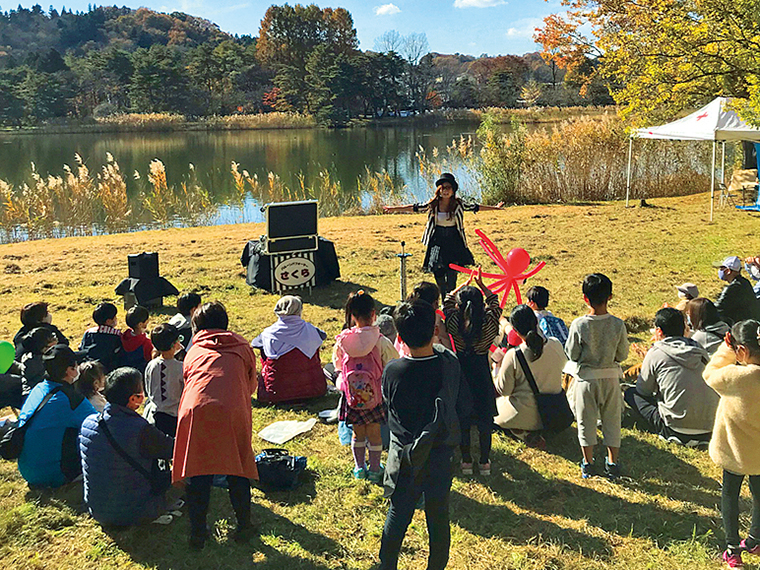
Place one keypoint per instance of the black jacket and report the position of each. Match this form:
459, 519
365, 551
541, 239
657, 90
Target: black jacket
737, 301
20, 350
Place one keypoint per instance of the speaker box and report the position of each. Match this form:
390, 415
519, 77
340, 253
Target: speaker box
143, 265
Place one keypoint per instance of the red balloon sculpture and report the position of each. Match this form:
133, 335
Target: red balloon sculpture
516, 262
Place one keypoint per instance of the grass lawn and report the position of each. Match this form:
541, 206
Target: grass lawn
534, 511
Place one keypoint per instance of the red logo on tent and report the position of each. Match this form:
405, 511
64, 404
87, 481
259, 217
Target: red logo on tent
702, 116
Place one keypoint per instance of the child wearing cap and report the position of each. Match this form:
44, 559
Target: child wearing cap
737, 301
163, 379
686, 293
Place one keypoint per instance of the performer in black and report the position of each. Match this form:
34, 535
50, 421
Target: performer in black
444, 233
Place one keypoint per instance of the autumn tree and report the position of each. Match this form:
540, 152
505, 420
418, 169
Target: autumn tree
663, 56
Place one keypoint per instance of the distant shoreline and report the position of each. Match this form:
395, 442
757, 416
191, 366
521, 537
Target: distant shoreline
164, 122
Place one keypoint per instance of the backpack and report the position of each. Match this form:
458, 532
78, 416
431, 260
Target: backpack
554, 327
361, 380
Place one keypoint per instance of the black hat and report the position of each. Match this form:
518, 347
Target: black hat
57, 360
447, 177
165, 335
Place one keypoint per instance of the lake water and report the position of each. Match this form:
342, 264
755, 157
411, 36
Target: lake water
287, 153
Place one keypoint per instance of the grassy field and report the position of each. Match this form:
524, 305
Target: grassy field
534, 511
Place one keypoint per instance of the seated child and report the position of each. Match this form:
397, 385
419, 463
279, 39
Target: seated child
103, 341
36, 315
36, 343
115, 492
686, 293
420, 392
138, 350
187, 304
91, 381
596, 345
550, 326
164, 380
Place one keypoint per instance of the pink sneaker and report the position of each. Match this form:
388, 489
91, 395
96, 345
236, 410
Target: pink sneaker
755, 550
733, 560
466, 468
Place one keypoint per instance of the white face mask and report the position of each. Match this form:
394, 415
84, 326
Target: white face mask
76, 377
48, 319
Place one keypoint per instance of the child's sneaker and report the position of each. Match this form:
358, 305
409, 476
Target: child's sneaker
360, 473
754, 550
466, 468
611, 470
376, 477
485, 469
588, 470
733, 559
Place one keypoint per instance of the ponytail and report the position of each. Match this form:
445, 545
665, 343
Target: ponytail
359, 304
524, 321
471, 313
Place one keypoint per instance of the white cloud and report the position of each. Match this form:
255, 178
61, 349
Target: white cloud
387, 10
477, 3
524, 28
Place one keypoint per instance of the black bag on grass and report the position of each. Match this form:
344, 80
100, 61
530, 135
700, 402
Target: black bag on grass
555, 412
12, 441
278, 469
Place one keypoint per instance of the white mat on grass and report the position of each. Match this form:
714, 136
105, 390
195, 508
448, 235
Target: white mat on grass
280, 432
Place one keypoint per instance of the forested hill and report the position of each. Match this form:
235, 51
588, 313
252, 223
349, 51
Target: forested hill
58, 67
25, 32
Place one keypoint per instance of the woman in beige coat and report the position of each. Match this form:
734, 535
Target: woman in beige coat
734, 373
516, 406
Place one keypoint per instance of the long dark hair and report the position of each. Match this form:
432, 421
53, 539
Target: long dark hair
471, 311
435, 202
702, 313
524, 321
747, 333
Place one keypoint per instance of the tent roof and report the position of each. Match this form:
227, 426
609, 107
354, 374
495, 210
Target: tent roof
713, 122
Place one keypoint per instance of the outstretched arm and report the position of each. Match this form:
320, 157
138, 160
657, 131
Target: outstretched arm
392, 209
483, 207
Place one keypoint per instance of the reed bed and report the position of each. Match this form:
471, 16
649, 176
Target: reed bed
274, 120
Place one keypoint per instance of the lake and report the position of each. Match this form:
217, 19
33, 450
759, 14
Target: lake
344, 153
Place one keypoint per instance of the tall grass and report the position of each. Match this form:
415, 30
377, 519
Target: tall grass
171, 121
582, 159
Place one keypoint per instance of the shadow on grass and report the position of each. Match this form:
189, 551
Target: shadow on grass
548, 496
333, 296
649, 469
166, 548
498, 521
303, 494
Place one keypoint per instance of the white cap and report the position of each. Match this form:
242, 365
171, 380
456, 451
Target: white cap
731, 262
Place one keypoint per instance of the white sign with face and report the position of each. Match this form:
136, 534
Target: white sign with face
294, 271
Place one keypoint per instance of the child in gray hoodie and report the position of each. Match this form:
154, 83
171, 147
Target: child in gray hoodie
670, 397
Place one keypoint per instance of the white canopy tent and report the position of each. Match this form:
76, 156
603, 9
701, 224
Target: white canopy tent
714, 122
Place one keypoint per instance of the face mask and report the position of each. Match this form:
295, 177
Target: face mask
48, 319
722, 274
75, 377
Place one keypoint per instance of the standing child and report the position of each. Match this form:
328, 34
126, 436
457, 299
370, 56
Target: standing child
360, 354
420, 391
91, 382
596, 345
163, 379
103, 341
473, 325
138, 350
734, 373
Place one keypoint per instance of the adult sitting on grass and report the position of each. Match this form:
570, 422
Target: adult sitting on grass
50, 456
670, 397
115, 492
290, 366
36, 315
516, 404
420, 392
737, 301
214, 421
708, 330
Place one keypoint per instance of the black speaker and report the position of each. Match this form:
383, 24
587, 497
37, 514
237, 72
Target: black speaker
749, 161
143, 265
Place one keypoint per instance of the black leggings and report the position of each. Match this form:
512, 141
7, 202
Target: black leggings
199, 494
446, 279
732, 485
484, 437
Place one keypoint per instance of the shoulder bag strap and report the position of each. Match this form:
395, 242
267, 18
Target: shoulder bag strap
120, 450
44, 401
526, 370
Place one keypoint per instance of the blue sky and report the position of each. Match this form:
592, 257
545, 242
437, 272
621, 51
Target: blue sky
465, 26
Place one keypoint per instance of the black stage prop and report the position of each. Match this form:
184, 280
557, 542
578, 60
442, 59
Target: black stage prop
144, 286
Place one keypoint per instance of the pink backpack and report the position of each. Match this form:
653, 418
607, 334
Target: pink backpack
362, 380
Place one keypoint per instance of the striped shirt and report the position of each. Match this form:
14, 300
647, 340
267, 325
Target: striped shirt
458, 216
489, 330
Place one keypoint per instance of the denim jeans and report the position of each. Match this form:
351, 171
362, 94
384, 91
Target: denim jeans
435, 482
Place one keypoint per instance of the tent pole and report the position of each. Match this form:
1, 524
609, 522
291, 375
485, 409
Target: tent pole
628, 182
723, 166
712, 183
